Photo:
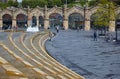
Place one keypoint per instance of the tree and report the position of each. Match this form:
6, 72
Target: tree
52, 3
3, 5
12, 3
34, 3
105, 13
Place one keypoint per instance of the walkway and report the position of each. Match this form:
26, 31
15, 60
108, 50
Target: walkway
92, 59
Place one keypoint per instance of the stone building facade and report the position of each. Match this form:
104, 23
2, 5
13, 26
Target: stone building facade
14, 15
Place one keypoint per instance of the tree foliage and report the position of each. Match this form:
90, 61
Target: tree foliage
105, 13
3, 5
51, 3
12, 3
34, 3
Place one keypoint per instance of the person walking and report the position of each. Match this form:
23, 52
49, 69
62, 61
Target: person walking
78, 28
57, 28
50, 36
95, 35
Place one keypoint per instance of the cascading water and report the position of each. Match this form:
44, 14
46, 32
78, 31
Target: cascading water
32, 29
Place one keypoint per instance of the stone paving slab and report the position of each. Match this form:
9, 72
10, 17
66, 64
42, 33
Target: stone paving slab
92, 59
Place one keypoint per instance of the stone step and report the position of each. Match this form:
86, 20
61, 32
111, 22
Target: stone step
37, 59
48, 69
40, 71
48, 63
29, 57
36, 44
28, 46
10, 70
42, 60
17, 57
49, 77
62, 77
68, 70
28, 71
3, 61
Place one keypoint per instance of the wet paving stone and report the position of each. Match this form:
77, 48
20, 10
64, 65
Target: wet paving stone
92, 59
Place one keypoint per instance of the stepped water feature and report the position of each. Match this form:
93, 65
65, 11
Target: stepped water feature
28, 59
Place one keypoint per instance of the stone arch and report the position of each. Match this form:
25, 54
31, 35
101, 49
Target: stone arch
37, 12
35, 16
75, 10
7, 21
20, 11
54, 10
6, 12
56, 20
76, 20
21, 20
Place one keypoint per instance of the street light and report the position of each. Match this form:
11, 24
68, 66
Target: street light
116, 25
84, 14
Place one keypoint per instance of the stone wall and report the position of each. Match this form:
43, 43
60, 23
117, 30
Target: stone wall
46, 12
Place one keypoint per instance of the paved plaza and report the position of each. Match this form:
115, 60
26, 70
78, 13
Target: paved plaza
91, 59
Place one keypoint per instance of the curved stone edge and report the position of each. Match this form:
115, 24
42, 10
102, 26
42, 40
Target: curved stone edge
42, 46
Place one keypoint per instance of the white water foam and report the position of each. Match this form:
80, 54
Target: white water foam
32, 29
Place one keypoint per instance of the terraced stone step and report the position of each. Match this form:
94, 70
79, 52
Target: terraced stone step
34, 61
73, 74
45, 67
10, 70
3, 61
70, 73
28, 71
56, 68
27, 45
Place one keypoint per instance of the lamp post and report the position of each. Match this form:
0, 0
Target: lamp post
19, 1
116, 25
116, 32
84, 14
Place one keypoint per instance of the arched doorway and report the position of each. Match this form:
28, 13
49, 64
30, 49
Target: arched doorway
41, 21
56, 20
76, 20
21, 20
34, 21
7, 21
